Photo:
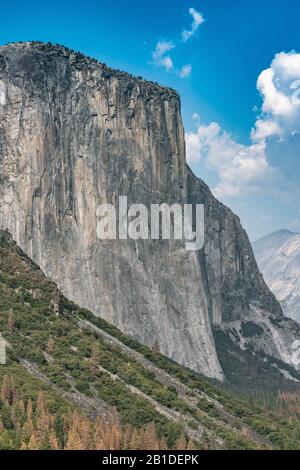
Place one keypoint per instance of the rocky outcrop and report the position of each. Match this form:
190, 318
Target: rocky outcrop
239, 301
74, 134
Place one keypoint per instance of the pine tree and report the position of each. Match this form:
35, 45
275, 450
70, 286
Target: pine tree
95, 358
163, 443
53, 441
27, 429
156, 347
5, 391
149, 438
8, 392
50, 345
190, 445
115, 443
20, 407
78, 434
29, 409
127, 436
180, 443
33, 443
98, 435
11, 321
41, 407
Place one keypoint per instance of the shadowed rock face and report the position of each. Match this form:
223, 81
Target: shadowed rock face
239, 302
74, 134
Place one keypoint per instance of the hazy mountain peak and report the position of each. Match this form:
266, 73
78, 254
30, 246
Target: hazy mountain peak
278, 256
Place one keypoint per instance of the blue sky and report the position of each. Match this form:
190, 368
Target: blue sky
212, 52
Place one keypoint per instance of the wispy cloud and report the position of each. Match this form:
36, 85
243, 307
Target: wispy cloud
162, 47
196, 118
185, 71
197, 21
160, 55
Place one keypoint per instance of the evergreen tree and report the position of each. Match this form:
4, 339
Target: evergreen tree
11, 321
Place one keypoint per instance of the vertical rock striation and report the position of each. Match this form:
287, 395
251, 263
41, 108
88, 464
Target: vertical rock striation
239, 301
75, 133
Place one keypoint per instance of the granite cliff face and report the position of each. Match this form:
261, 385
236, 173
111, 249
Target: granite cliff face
239, 301
74, 134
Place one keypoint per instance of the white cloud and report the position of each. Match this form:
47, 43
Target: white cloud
265, 128
275, 101
162, 47
162, 58
185, 71
287, 65
247, 168
196, 119
279, 86
167, 62
197, 21
160, 55
241, 168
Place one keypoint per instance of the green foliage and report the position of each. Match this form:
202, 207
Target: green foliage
80, 360
250, 329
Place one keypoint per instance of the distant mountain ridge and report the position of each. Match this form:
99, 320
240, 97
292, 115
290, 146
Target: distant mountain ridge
278, 257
